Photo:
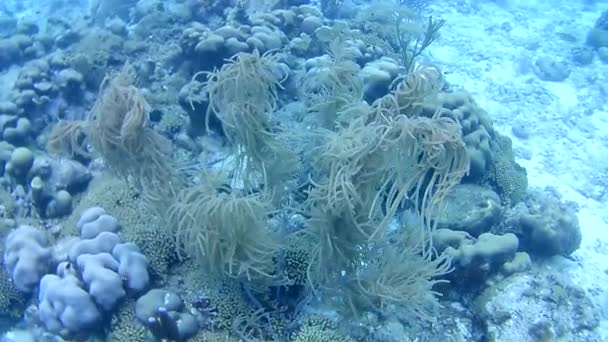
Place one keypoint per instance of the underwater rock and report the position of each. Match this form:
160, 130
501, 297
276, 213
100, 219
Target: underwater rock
470, 208
67, 38
602, 53
521, 129
8, 108
597, 37
582, 56
10, 52
8, 26
59, 205
310, 24
539, 306
6, 150
71, 84
520, 263
488, 249
545, 224
300, 46
53, 182
117, 26
101, 10
548, 69
17, 132
27, 27
67, 174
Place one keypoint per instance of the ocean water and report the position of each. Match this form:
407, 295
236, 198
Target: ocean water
293, 170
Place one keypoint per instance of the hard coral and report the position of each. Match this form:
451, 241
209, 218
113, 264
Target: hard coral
477, 129
508, 178
319, 330
124, 327
139, 224
11, 300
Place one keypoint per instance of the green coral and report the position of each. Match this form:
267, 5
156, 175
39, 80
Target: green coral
11, 300
171, 122
508, 178
229, 304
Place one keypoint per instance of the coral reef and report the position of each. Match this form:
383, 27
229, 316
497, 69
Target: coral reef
280, 170
545, 223
64, 307
243, 94
225, 231
117, 128
161, 312
27, 257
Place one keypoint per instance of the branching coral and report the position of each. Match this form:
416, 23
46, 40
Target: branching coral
366, 172
333, 90
117, 128
401, 273
243, 94
401, 31
431, 159
225, 232
410, 93
68, 138
411, 42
